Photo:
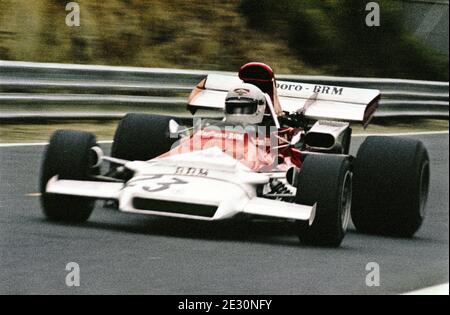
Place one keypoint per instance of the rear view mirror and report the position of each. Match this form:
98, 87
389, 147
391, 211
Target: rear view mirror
176, 130
174, 127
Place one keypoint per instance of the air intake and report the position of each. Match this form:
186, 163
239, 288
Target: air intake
165, 206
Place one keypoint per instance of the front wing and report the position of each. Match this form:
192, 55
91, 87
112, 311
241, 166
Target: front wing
184, 202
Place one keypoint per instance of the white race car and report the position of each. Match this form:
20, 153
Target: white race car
299, 170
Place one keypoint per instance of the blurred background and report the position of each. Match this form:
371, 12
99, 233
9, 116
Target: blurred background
294, 36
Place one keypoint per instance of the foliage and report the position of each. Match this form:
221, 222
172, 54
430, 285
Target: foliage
333, 35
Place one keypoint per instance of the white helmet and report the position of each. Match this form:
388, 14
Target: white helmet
245, 104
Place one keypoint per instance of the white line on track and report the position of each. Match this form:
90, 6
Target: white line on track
442, 289
33, 195
6, 145
420, 133
39, 144
358, 135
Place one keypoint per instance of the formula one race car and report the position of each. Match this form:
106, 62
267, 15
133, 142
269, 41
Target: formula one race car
281, 151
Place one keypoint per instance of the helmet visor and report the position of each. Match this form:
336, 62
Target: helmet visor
242, 106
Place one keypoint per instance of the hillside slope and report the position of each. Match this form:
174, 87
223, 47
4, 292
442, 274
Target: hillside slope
294, 36
157, 33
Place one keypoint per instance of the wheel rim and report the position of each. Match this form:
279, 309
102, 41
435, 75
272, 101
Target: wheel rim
346, 201
424, 186
95, 157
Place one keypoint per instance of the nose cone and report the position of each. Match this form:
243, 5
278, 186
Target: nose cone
183, 196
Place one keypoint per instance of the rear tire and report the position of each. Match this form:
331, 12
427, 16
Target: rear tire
69, 156
327, 181
142, 137
391, 186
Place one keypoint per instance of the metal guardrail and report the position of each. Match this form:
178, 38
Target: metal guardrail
65, 91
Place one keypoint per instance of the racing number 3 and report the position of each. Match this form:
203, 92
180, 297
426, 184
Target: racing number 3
164, 186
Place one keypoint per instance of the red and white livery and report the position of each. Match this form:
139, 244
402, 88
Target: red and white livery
292, 164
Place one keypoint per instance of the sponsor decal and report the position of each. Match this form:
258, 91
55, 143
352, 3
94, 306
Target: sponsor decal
321, 89
331, 90
191, 171
213, 134
290, 87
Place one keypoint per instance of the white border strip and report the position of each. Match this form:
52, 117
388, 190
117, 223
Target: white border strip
442, 289
6, 145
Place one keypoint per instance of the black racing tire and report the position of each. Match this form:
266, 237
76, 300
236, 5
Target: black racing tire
142, 137
69, 155
392, 177
327, 181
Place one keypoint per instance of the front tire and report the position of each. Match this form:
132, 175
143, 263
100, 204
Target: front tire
391, 186
69, 155
142, 137
327, 181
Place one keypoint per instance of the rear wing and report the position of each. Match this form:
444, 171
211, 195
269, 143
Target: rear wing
314, 101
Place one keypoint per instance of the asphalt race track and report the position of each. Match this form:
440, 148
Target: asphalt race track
126, 254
